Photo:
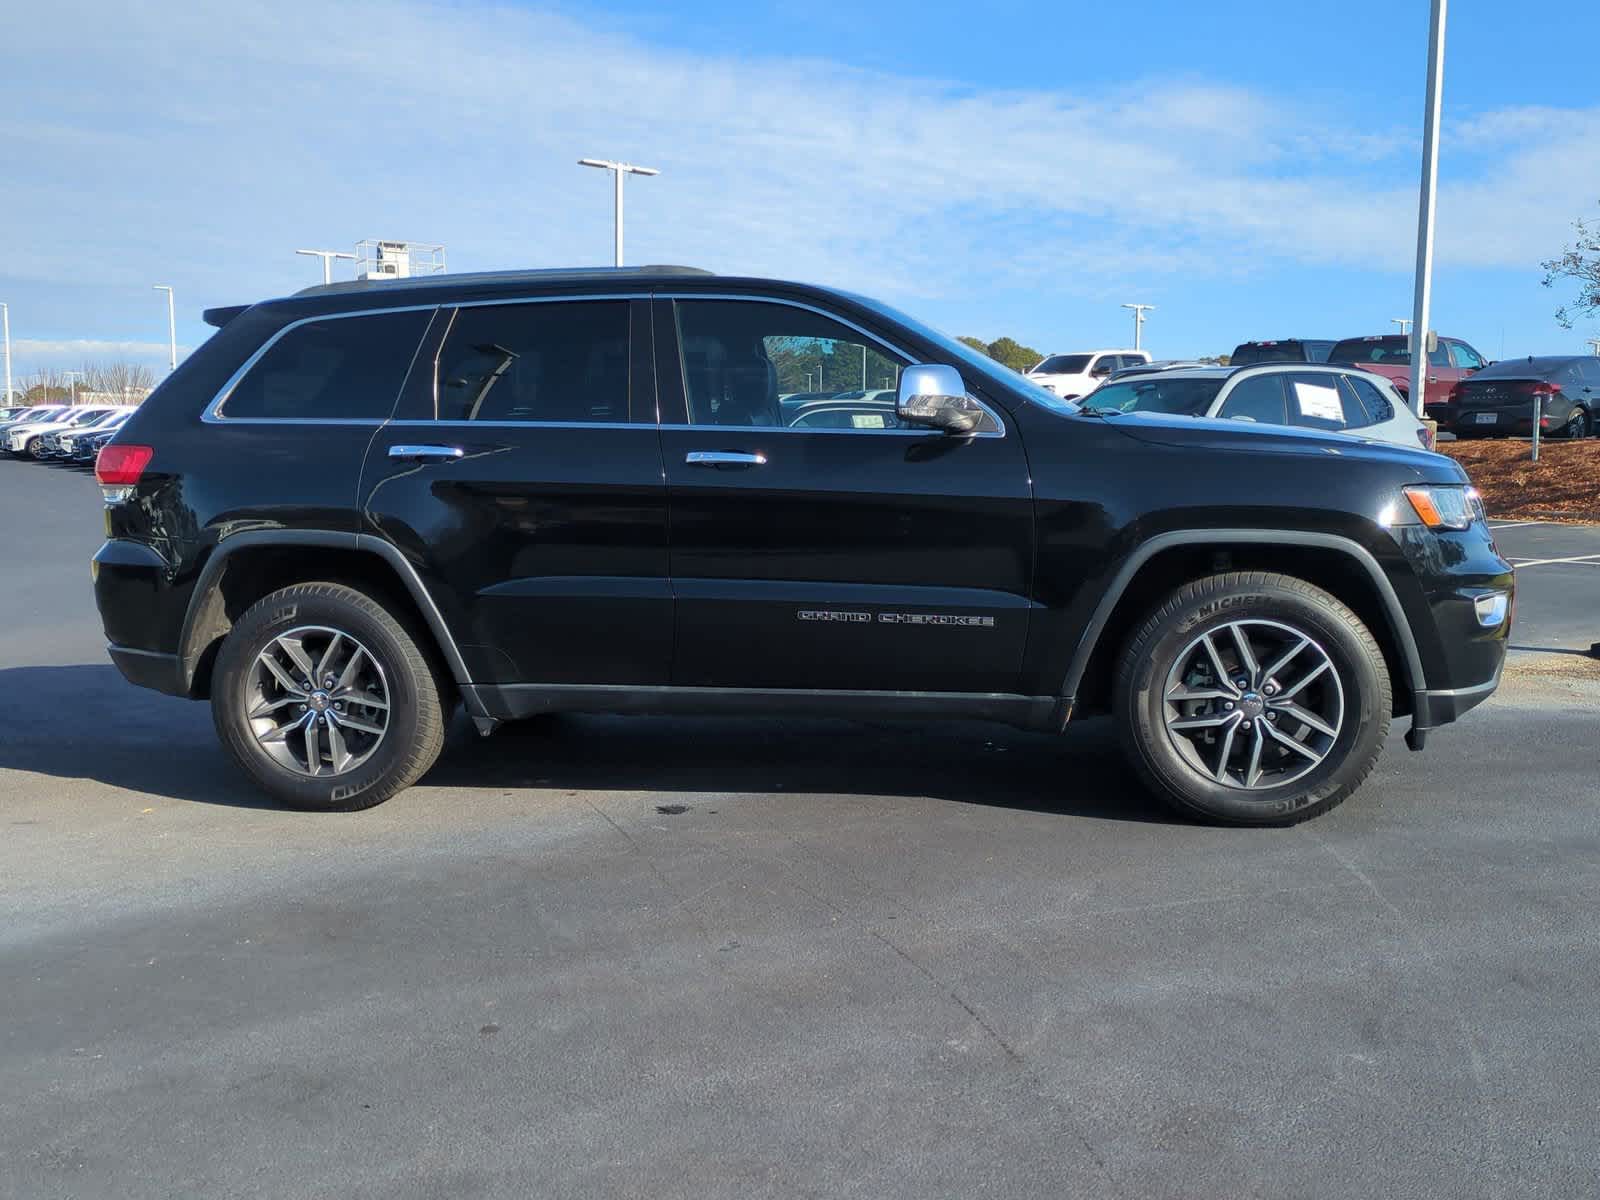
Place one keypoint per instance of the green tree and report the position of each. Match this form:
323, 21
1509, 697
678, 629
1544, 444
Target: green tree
1013, 354
978, 344
1579, 263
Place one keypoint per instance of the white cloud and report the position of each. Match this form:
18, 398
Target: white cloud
215, 144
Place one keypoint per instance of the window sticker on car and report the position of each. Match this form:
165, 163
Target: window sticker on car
1315, 400
866, 420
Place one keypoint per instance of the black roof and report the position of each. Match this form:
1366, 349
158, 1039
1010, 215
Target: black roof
473, 278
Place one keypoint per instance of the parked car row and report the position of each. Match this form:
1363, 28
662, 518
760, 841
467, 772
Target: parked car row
1463, 392
60, 432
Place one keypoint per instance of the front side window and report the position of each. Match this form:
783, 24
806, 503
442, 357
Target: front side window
334, 369
1257, 398
560, 361
774, 366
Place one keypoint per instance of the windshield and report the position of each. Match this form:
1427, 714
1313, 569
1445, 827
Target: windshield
1265, 352
997, 373
1156, 393
1063, 364
85, 418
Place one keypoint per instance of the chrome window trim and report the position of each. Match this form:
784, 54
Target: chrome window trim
213, 413
899, 352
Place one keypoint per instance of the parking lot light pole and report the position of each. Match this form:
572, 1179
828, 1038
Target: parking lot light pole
1425, 204
1138, 322
327, 257
1403, 322
618, 170
5, 318
172, 328
1592, 343
72, 387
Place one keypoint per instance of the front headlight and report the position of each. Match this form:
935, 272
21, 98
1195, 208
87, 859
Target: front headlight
1442, 506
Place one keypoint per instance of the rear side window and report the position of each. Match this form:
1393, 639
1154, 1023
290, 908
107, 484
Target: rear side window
337, 369
1258, 398
1465, 356
1371, 397
558, 361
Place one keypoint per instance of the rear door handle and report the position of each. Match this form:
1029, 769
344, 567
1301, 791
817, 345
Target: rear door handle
410, 450
724, 458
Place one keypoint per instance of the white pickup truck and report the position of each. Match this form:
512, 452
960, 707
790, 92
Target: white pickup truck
1079, 373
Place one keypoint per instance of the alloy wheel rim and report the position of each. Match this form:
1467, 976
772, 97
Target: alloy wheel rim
317, 701
1253, 704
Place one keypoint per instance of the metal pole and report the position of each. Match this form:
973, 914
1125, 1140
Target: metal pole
863, 368
172, 329
5, 316
1425, 205
1538, 416
617, 173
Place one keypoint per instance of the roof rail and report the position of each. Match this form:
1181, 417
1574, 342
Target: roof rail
448, 278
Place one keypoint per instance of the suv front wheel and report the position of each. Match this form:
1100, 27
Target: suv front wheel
1253, 699
326, 700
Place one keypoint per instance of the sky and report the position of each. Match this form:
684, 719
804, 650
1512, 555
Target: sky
1009, 168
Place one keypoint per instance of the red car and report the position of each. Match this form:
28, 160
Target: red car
1389, 355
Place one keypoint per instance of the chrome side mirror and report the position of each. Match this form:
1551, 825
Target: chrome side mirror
933, 394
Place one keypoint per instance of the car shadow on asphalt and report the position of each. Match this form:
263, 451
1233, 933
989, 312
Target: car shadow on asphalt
1080, 773
87, 722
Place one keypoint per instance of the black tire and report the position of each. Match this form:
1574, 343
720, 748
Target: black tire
1212, 603
1577, 425
415, 731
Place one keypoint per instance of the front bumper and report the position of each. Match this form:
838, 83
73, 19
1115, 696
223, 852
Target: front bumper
1462, 658
149, 669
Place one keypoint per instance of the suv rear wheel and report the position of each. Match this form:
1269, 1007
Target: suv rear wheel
1253, 699
326, 700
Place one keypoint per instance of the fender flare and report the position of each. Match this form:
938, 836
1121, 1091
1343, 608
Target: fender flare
206, 585
1411, 658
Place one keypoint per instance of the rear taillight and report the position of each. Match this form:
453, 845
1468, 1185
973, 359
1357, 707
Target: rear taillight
1425, 436
119, 468
1539, 387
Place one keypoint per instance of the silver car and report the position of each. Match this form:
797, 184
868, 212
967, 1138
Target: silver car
1298, 395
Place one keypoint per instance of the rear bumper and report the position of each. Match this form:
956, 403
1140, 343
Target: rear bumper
1509, 420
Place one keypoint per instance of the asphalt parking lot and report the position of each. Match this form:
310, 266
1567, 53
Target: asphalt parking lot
635, 957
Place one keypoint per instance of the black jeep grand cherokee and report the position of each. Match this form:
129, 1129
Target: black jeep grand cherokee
658, 490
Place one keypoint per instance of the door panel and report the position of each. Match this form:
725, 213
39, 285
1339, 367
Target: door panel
542, 540
867, 558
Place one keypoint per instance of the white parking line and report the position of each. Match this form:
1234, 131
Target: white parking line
1588, 560
1516, 524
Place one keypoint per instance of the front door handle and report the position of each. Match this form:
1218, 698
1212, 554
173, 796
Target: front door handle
724, 458
409, 450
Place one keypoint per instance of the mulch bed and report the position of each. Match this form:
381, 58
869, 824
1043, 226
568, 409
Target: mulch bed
1564, 485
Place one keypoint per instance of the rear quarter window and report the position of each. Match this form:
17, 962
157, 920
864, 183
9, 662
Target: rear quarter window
330, 369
